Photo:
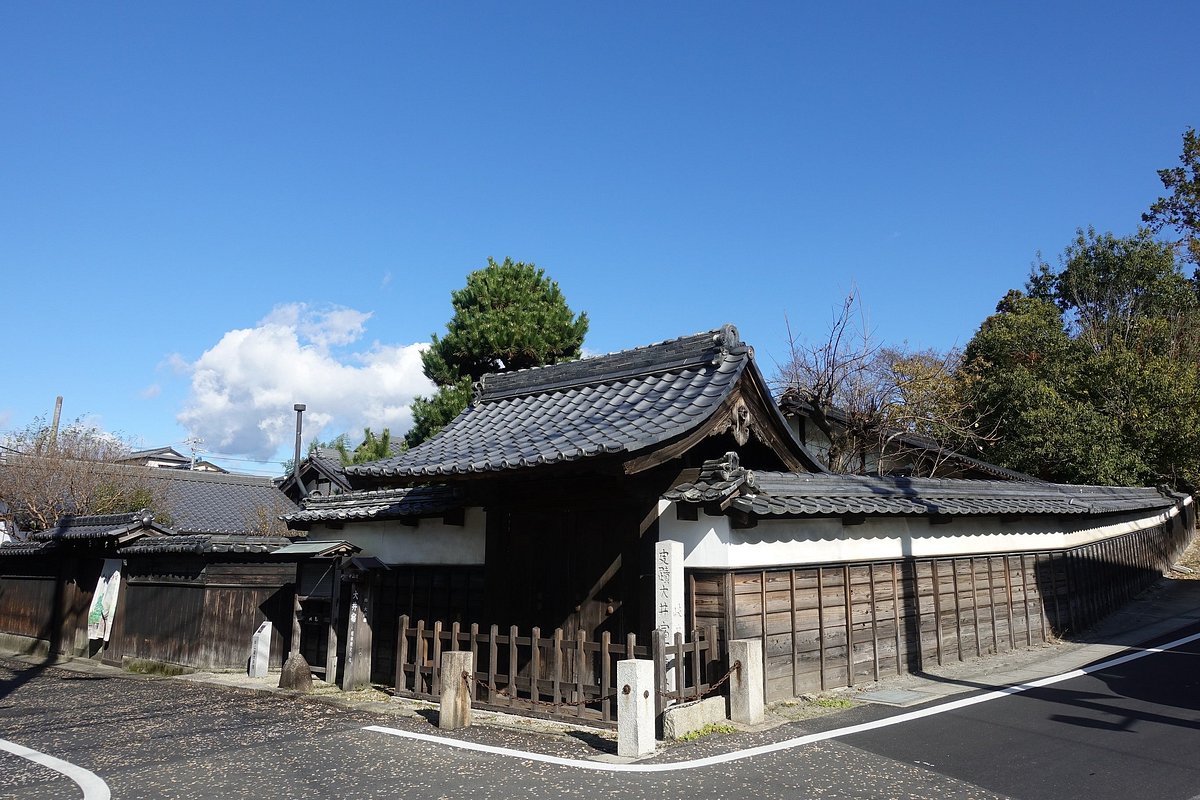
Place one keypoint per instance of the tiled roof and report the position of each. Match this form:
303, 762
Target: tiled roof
329, 461
616, 404
419, 501
27, 548
98, 526
210, 502
193, 502
790, 494
197, 544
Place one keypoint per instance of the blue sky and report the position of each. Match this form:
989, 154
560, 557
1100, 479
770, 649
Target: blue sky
211, 211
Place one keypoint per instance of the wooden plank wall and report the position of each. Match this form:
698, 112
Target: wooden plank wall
839, 625
27, 605
447, 593
206, 624
48, 600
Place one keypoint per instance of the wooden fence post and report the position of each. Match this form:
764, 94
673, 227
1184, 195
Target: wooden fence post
401, 655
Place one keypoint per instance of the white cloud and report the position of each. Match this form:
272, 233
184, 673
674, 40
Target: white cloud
243, 387
151, 391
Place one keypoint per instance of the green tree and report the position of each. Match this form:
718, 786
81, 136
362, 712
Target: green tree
509, 316
1181, 208
1090, 376
372, 447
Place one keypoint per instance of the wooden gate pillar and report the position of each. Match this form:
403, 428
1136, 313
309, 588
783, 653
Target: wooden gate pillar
357, 674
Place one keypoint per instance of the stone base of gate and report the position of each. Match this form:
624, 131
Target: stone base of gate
678, 721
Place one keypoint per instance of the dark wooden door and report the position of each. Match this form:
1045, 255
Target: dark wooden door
560, 569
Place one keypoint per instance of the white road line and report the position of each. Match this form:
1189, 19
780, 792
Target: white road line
93, 787
799, 741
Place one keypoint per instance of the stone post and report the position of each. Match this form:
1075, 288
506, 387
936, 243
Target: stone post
668, 597
746, 684
635, 707
260, 650
455, 711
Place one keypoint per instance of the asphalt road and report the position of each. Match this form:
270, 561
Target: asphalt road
1130, 731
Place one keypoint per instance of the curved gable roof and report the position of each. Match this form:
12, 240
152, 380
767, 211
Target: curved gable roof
616, 405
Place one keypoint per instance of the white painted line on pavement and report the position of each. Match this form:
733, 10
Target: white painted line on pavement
799, 741
94, 788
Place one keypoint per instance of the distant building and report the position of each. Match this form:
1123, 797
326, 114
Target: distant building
168, 458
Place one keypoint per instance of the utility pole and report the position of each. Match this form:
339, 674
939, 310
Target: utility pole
195, 443
299, 409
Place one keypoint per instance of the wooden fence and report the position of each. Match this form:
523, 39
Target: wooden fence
551, 676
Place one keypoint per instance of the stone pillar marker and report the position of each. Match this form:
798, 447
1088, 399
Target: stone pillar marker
455, 709
668, 596
260, 650
746, 684
635, 707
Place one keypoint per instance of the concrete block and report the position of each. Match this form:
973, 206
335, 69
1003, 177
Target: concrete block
746, 684
635, 707
455, 711
682, 719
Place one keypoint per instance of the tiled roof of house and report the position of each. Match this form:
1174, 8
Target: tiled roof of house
788, 494
192, 503
160, 452
616, 404
791, 403
209, 502
418, 501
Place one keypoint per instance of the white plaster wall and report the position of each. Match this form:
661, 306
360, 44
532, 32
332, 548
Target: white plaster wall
709, 542
430, 542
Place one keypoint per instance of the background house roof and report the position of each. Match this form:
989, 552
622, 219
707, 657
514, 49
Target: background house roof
619, 403
789, 494
324, 462
793, 405
210, 502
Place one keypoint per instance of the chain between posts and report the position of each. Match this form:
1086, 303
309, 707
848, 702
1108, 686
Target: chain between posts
468, 679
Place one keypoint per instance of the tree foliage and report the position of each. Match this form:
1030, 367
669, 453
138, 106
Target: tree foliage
1180, 209
372, 447
1090, 375
509, 316
45, 476
872, 402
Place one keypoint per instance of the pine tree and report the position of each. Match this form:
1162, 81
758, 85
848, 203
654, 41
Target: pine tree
509, 316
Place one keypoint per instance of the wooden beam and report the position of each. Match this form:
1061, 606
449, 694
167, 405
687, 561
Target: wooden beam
687, 511
717, 422
853, 519
456, 517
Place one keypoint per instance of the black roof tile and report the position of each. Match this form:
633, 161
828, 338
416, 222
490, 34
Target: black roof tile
418, 501
795, 494
618, 403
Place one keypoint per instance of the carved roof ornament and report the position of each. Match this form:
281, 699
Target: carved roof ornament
728, 340
740, 422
